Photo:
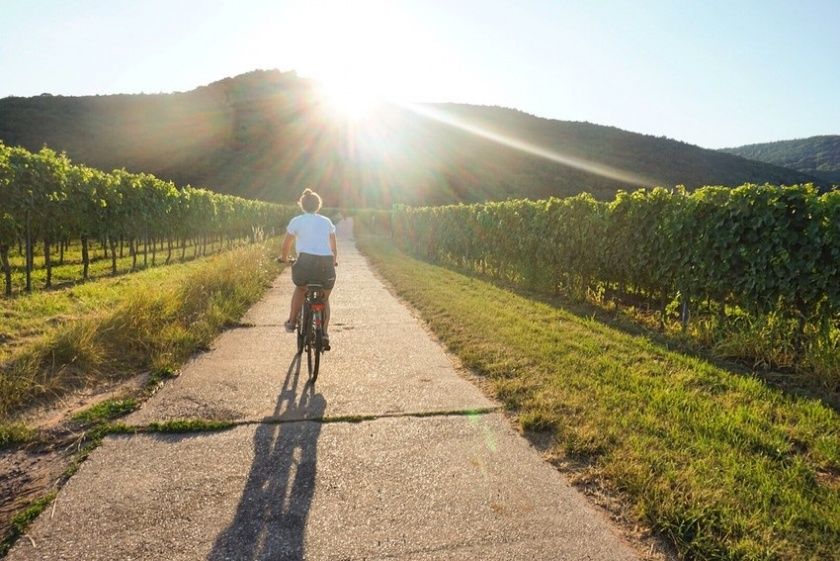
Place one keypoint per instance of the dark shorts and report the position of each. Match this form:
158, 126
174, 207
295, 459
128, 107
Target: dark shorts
314, 269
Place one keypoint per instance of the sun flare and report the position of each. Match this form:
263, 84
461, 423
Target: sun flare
362, 53
350, 100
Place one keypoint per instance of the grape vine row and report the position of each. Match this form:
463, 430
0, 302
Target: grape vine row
759, 249
46, 198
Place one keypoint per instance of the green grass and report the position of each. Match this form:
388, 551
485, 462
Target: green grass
114, 328
25, 517
720, 463
22, 520
13, 434
107, 410
190, 425
158, 377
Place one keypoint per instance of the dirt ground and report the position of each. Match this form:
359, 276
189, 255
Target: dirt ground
30, 472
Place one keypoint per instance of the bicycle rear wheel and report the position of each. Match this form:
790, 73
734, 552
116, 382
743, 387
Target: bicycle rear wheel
309, 365
318, 350
309, 339
301, 329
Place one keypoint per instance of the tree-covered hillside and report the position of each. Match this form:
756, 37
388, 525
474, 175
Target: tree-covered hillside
818, 155
268, 134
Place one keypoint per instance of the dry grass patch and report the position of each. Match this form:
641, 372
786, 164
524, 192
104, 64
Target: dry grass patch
151, 323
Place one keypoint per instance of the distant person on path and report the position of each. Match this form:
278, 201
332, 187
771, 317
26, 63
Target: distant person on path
317, 256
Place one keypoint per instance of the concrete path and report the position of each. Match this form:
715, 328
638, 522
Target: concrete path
436, 473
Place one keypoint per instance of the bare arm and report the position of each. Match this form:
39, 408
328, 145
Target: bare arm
334, 247
287, 246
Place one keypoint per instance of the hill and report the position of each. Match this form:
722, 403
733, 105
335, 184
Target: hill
818, 155
267, 134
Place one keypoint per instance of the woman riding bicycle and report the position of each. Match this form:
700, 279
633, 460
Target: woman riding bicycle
314, 238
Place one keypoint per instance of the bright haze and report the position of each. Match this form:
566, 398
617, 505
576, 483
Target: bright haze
710, 73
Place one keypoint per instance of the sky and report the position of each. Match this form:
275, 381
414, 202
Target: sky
712, 73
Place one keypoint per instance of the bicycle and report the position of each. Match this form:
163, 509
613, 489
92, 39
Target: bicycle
310, 328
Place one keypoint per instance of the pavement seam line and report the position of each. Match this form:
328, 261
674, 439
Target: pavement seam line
218, 426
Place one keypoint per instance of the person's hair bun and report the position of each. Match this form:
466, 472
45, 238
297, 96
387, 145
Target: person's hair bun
309, 201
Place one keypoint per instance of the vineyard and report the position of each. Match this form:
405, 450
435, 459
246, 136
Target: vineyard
755, 266
61, 223
46, 200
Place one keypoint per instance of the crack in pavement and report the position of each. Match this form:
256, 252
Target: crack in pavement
223, 424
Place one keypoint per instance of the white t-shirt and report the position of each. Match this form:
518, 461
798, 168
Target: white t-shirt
312, 233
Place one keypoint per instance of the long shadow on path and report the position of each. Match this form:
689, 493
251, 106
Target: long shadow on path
270, 521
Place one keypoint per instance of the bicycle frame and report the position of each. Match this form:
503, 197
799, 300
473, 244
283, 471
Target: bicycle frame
310, 327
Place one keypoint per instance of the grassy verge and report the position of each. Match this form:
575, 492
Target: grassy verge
723, 465
151, 321
116, 327
27, 316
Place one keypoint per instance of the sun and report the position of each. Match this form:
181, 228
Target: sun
364, 53
349, 99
